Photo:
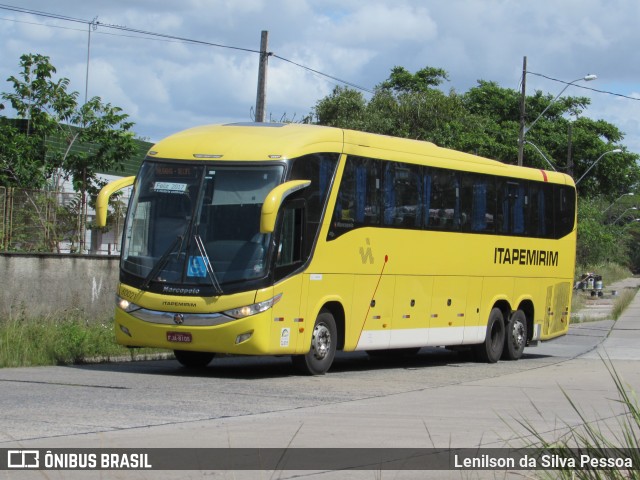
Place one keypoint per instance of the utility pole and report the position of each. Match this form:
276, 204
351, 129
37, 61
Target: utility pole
522, 112
261, 97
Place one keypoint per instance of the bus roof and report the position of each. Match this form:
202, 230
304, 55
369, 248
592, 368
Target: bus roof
273, 141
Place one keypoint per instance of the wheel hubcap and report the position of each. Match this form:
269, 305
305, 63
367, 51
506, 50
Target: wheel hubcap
517, 334
321, 341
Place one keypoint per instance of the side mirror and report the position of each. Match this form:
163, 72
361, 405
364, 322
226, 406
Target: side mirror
273, 201
102, 202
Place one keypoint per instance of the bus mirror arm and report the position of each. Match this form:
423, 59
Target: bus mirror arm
102, 202
273, 201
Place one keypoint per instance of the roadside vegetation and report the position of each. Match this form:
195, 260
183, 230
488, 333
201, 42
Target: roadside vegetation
603, 441
611, 272
64, 338
622, 302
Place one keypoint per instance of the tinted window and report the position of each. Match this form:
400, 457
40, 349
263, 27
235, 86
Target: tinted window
444, 209
396, 194
358, 203
402, 195
566, 205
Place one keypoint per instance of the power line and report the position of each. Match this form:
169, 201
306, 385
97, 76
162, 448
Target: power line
323, 74
174, 37
43, 14
167, 37
582, 86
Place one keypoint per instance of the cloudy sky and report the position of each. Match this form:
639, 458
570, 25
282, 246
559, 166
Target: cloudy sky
168, 85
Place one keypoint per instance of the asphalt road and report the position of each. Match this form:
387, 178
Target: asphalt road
435, 399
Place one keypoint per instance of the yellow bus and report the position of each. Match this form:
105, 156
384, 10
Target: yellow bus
301, 240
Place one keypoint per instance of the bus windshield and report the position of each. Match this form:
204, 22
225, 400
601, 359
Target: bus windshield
198, 224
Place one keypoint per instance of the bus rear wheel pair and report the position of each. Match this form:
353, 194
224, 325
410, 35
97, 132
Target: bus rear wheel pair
503, 340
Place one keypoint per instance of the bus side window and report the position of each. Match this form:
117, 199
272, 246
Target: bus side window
566, 206
367, 201
511, 205
477, 203
444, 210
549, 210
290, 246
320, 169
519, 204
401, 195
541, 215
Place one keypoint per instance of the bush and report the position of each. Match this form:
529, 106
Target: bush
598, 241
61, 339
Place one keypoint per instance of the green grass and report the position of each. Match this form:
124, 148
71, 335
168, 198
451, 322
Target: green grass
622, 302
60, 339
611, 272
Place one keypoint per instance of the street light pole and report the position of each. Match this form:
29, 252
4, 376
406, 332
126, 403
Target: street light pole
524, 129
631, 223
615, 150
542, 154
616, 201
623, 214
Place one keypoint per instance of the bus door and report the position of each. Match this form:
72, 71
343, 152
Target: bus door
287, 320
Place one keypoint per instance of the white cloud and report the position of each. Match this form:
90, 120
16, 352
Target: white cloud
169, 85
382, 26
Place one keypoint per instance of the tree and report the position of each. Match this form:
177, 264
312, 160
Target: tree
55, 139
485, 121
95, 136
403, 81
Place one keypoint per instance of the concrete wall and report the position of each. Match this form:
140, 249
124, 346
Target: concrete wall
43, 284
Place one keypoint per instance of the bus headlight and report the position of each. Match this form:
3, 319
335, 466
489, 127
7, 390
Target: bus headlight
248, 310
126, 305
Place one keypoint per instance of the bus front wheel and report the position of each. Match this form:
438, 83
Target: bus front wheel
516, 336
491, 349
193, 359
323, 347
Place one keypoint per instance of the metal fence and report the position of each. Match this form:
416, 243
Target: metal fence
56, 222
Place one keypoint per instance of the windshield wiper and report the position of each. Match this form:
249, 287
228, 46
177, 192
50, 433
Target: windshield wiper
162, 261
207, 263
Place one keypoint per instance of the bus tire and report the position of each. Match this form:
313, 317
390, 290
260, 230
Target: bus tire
193, 359
515, 337
490, 350
323, 347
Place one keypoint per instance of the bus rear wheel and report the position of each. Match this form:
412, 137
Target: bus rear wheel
491, 349
193, 359
516, 336
323, 347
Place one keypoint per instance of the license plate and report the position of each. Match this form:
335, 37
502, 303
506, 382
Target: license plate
179, 337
